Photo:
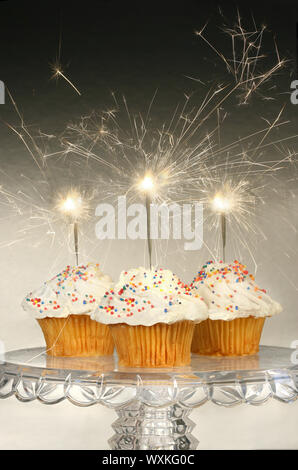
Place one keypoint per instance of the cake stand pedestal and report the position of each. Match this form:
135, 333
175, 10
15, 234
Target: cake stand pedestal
153, 405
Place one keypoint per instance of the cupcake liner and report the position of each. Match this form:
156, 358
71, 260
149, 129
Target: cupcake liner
159, 345
237, 337
76, 335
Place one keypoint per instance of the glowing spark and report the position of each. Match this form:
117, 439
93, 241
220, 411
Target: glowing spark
147, 184
58, 72
72, 206
222, 204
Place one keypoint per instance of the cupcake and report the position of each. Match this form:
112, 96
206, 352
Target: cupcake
152, 318
62, 307
237, 310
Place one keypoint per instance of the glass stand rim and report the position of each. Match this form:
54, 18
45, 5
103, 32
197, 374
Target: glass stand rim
138, 394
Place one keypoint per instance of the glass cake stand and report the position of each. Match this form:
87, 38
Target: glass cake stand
153, 405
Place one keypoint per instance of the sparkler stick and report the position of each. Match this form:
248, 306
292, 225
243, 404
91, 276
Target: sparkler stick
147, 185
76, 240
149, 240
223, 204
223, 235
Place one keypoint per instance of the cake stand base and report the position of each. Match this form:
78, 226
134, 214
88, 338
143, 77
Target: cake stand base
141, 427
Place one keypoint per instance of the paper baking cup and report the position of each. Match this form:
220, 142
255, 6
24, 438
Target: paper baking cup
76, 335
237, 337
159, 345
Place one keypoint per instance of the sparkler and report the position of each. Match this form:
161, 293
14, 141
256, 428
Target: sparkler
222, 204
147, 186
73, 206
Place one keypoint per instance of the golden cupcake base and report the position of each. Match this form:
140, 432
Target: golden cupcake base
76, 335
159, 345
237, 337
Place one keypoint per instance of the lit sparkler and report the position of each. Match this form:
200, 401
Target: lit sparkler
147, 185
222, 204
73, 207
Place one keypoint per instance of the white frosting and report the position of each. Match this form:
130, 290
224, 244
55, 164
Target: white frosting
231, 292
75, 291
146, 297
